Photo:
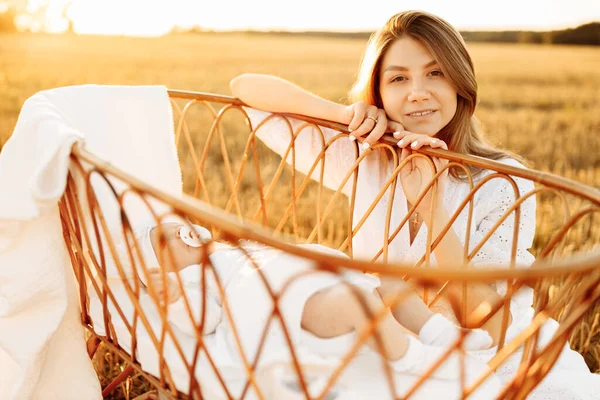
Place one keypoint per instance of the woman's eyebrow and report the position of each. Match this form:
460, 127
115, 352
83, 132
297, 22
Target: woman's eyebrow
401, 68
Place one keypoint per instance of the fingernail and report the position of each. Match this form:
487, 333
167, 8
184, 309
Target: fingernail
397, 134
366, 146
414, 144
401, 142
352, 138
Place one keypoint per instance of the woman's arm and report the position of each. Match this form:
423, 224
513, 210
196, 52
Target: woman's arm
448, 251
497, 197
277, 95
270, 93
274, 94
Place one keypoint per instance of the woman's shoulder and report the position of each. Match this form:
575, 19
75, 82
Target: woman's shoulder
512, 162
508, 161
521, 182
497, 188
501, 188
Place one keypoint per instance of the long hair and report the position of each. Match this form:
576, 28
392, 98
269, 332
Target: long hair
462, 134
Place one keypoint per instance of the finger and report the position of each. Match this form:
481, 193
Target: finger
419, 142
408, 139
423, 140
364, 128
395, 127
431, 142
369, 122
437, 143
377, 131
360, 111
400, 135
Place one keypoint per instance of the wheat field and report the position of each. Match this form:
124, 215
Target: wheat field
542, 102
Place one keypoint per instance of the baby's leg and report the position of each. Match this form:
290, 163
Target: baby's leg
433, 328
339, 309
482, 295
343, 308
411, 312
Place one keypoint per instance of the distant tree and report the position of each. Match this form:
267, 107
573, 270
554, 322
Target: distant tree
585, 34
588, 34
7, 20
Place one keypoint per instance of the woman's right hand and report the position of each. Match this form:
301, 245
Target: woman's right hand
363, 118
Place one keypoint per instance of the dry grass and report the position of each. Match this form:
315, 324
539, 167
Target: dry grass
541, 102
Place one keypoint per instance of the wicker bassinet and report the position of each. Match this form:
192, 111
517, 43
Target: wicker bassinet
241, 191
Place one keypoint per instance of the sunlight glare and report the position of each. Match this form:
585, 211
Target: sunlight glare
158, 17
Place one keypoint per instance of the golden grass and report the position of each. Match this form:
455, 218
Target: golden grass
542, 102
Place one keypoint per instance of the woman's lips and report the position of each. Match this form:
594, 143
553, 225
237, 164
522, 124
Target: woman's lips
421, 114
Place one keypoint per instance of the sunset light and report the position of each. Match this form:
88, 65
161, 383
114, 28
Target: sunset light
155, 18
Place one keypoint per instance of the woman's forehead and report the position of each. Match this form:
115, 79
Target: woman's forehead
408, 54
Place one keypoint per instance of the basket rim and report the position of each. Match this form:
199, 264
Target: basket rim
543, 268
544, 178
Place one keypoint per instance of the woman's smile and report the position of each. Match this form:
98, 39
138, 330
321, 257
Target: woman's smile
423, 114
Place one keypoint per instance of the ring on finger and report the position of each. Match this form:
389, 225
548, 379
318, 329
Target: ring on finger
373, 118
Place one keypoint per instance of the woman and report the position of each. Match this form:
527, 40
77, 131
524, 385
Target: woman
417, 80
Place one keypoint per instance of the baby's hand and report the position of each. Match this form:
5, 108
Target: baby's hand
158, 284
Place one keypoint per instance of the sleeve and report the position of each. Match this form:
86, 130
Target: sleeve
339, 157
497, 249
496, 197
192, 286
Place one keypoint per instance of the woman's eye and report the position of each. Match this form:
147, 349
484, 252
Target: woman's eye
436, 72
398, 79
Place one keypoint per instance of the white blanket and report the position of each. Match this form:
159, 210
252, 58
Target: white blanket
251, 306
568, 379
42, 349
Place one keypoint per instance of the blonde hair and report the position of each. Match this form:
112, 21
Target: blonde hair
462, 134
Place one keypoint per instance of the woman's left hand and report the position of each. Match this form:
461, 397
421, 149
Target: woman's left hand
417, 173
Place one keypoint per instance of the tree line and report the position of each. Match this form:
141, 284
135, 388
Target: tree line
587, 34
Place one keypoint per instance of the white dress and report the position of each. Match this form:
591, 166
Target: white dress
490, 202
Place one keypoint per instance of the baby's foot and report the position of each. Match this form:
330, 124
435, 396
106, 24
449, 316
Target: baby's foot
420, 357
439, 331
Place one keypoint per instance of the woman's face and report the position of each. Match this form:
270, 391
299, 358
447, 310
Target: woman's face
414, 90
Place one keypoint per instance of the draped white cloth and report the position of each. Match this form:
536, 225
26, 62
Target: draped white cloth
41, 337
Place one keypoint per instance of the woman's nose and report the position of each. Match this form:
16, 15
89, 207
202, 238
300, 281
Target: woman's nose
418, 92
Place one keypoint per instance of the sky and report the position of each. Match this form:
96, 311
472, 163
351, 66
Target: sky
156, 17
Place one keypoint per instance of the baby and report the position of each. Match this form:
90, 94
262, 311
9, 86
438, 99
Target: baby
322, 312
324, 305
